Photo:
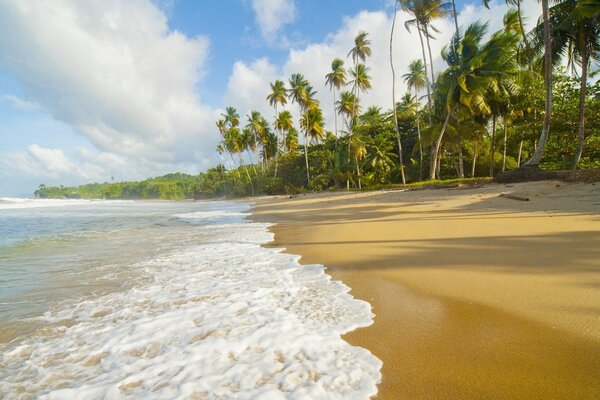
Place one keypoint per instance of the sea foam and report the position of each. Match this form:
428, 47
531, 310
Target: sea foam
225, 318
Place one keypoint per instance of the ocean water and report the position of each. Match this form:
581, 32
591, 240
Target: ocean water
168, 300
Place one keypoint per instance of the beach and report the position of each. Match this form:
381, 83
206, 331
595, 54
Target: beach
475, 295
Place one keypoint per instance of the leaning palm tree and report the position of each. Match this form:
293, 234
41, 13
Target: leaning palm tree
278, 95
394, 93
336, 79
473, 68
416, 79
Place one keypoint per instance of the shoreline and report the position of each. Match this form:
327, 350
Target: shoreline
474, 296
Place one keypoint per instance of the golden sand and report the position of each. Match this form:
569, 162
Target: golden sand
476, 296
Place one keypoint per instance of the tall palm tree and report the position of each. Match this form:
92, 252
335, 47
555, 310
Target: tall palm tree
278, 95
577, 35
416, 79
303, 94
336, 79
408, 6
394, 93
541, 144
360, 51
347, 106
425, 12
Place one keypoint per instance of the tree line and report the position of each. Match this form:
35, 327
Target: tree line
500, 103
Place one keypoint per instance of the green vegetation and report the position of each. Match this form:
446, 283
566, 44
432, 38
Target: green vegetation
480, 116
176, 186
501, 103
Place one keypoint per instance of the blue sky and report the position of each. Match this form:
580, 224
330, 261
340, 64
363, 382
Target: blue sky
90, 90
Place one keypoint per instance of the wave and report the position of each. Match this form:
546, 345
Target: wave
226, 318
11, 203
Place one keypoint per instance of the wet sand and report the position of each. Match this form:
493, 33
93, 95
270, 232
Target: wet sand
476, 296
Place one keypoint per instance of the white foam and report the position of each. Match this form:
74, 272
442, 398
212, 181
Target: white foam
224, 319
11, 203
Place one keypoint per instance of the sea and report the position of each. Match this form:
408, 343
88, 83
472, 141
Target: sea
168, 300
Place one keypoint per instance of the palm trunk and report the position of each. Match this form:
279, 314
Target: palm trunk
540, 147
430, 58
247, 174
455, 17
520, 152
426, 72
505, 142
461, 166
582, 94
493, 146
521, 24
358, 172
474, 160
420, 142
394, 98
439, 163
335, 116
306, 160
436, 148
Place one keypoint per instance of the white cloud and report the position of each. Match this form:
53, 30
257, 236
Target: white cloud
114, 72
272, 15
249, 82
20, 104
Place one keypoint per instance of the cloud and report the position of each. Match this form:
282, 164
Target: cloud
249, 82
272, 15
114, 72
20, 104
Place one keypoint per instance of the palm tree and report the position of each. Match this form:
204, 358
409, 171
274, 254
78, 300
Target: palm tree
408, 6
336, 79
473, 69
394, 94
426, 11
278, 95
519, 16
284, 123
541, 144
578, 36
361, 81
348, 105
231, 117
416, 79
256, 127
291, 140
303, 94
360, 51
312, 123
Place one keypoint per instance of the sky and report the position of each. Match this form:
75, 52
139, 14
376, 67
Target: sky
101, 90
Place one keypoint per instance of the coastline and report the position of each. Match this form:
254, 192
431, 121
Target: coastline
475, 296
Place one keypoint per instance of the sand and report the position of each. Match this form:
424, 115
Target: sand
476, 296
